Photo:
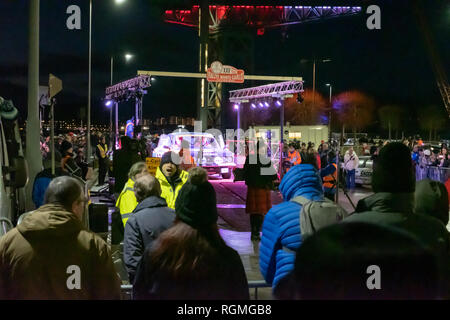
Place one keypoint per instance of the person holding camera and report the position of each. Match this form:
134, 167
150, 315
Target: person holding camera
351, 162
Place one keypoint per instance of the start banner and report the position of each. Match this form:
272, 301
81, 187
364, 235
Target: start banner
221, 73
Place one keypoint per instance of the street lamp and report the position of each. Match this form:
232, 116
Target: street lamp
90, 80
314, 74
127, 58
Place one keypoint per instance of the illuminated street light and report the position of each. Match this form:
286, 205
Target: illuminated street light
120, 1
128, 57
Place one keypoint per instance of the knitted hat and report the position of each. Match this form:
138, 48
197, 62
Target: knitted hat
170, 157
7, 110
393, 171
196, 202
65, 145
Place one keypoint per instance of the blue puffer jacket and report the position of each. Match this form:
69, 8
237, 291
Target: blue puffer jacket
281, 226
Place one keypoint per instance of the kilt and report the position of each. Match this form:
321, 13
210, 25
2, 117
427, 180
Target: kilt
258, 201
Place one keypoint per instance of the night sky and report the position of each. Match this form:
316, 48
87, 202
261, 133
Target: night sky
391, 65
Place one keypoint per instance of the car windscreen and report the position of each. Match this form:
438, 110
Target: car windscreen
197, 141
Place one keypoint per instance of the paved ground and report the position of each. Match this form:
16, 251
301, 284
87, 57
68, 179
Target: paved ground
234, 226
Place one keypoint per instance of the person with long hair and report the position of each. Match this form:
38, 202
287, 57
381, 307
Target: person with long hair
190, 260
259, 175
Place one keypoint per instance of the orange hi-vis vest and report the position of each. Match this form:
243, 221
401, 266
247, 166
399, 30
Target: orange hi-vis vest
329, 181
294, 157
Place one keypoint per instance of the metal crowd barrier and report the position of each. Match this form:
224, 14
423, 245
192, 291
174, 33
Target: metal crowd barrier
126, 290
441, 174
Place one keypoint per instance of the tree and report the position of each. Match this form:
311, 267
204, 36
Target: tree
354, 109
391, 118
305, 113
431, 117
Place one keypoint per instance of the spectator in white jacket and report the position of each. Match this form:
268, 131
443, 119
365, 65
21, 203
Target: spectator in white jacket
351, 162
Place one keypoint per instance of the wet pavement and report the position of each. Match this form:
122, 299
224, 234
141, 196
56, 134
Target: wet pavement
234, 226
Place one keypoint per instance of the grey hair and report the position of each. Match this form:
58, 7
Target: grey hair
136, 169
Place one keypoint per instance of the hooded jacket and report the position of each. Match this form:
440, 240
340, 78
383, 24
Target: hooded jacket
40, 185
281, 226
126, 202
397, 210
150, 218
43, 257
351, 162
167, 191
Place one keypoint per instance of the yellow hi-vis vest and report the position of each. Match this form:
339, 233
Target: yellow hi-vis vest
127, 201
166, 189
102, 151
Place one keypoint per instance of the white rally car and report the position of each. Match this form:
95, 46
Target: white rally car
205, 149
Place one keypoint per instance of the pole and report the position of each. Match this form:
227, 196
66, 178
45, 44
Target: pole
280, 167
111, 108
202, 100
314, 83
116, 104
88, 158
52, 134
338, 153
329, 117
239, 126
33, 153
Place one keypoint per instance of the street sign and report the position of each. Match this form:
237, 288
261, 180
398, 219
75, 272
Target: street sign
152, 164
220, 73
55, 85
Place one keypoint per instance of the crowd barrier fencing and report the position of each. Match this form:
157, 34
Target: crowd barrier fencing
441, 174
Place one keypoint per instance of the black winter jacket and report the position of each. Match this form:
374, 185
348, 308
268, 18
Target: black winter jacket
150, 218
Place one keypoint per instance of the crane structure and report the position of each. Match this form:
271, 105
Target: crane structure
435, 59
212, 20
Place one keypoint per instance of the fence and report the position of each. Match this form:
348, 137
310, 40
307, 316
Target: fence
126, 290
441, 174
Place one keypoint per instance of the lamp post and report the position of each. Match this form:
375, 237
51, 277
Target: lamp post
314, 74
88, 142
127, 57
329, 113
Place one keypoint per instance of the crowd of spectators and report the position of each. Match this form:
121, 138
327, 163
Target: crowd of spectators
310, 248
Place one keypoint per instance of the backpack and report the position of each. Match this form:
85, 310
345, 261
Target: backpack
315, 215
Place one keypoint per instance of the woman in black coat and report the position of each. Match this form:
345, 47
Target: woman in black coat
259, 175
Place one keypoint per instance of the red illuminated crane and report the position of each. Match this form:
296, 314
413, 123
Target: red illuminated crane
212, 19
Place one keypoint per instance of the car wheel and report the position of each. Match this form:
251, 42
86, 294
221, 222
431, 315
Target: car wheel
226, 175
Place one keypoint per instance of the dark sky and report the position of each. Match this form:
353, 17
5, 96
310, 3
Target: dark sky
390, 64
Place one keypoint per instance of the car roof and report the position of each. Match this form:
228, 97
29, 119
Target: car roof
190, 134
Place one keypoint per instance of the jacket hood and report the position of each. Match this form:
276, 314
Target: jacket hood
300, 180
151, 202
50, 221
387, 202
432, 199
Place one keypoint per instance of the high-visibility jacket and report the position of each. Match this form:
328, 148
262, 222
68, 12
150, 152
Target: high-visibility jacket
329, 181
102, 150
187, 161
127, 201
167, 191
294, 157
